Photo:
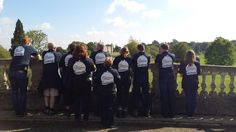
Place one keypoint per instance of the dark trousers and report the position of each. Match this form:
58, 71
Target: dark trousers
123, 94
190, 100
82, 100
19, 82
107, 105
141, 95
167, 93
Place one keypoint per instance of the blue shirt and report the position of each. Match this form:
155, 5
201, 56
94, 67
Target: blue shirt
21, 56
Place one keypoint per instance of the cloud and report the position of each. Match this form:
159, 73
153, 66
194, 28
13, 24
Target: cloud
6, 21
129, 5
153, 13
119, 22
44, 26
1, 5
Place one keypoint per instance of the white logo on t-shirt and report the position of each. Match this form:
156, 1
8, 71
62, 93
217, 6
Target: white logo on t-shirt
100, 58
19, 51
107, 78
142, 61
49, 57
67, 58
191, 70
167, 62
79, 68
123, 66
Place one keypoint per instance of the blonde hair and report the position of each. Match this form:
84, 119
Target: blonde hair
190, 57
108, 62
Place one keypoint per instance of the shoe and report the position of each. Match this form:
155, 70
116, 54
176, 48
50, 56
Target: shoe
135, 113
123, 115
86, 117
51, 112
46, 110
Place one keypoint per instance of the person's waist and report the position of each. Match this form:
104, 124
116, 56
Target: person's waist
19, 67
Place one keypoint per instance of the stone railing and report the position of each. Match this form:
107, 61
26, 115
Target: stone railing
216, 89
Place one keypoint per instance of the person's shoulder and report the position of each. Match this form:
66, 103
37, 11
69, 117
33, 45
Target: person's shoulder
89, 60
197, 63
171, 55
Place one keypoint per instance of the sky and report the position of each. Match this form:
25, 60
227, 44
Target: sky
115, 21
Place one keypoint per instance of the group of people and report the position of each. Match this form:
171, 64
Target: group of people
75, 75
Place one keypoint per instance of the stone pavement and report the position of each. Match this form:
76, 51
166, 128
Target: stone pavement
39, 122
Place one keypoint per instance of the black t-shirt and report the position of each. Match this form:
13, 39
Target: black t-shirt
165, 65
107, 80
123, 66
64, 62
51, 60
190, 73
99, 58
140, 63
81, 69
21, 56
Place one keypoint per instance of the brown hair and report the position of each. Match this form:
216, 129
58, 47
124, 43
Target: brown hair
108, 62
71, 46
124, 50
140, 47
190, 57
80, 51
165, 46
26, 40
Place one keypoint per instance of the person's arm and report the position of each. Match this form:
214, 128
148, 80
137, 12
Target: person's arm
34, 54
198, 68
115, 63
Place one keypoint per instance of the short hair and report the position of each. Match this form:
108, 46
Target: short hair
165, 46
108, 62
124, 50
71, 46
26, 40
80, 51
140, 47
100, 45
50, 46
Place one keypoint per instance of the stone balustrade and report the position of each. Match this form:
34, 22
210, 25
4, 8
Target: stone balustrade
216, 89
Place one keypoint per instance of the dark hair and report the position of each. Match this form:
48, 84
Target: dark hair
190, 57
124, 50
108, 62
140, 47
165, 46
80, 51
71, 46
100, 45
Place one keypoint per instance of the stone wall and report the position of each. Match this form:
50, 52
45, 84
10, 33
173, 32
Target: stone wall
216, 90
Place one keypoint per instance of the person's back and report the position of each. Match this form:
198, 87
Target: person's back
18, 75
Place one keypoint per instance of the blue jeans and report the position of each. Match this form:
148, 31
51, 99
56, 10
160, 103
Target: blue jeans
167, 93
19, 82
190, 100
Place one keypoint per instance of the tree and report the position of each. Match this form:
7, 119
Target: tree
179, 50
91, 47
61, 50
132, 46
39, 40
117, 48
155, 42
18, 35
152, 50
4, 53
220, 52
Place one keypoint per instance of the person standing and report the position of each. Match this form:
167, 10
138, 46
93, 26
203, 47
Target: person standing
190, 69
18, 75
167, 82
81, 68
123, 64
108, 78
98, 58
66, 89
50, 82
140, 90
